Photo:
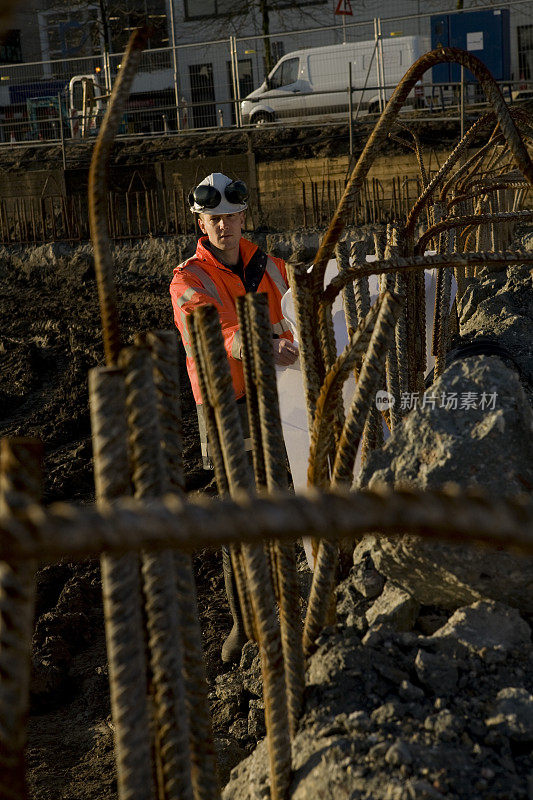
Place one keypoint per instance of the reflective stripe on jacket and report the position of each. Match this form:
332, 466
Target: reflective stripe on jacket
202, 280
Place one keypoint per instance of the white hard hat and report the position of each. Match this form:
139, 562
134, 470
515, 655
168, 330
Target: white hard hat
218, 194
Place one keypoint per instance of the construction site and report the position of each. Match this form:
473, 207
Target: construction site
391, 656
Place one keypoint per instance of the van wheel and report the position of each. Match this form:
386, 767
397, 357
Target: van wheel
373, 108
261, 118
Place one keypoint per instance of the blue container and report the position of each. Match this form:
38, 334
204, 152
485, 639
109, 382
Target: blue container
486, 34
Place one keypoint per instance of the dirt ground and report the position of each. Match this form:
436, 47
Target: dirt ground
267, 144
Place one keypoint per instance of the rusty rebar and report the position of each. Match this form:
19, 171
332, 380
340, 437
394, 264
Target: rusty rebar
368, 383
342, 254
470, 219
301, 284
159, 583
257, 572
121, 587
402, 266
276, 480
164, 352
66, 530
250, 386
347, 361
20, 486
98, 195
215, 449
383, 126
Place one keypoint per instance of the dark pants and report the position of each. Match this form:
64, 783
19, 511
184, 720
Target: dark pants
204, 443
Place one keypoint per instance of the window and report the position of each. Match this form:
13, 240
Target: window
68, 33
10, 49
525, 51
195, 9
124, 17
285, 74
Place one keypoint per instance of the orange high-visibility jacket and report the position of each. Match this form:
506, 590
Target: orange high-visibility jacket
202, 280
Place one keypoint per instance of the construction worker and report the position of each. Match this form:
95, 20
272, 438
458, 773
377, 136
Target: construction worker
226, 266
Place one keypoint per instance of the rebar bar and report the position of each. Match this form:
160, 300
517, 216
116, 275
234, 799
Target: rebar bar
367, 385
220, 473
276, 479
301, 286
159, 583
250, 386
65, 530
121, 587
164, 352
440, 260
349, 359
391, 359
98, 195
473, 219
20, 485
257, 573
342, 255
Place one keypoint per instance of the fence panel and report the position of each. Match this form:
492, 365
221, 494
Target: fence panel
206, 85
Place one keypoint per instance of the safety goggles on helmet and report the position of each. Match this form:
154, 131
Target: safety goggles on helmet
206, 196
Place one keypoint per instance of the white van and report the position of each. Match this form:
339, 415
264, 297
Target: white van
314, 82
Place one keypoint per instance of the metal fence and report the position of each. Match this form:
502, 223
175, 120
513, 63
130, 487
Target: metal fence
207, 84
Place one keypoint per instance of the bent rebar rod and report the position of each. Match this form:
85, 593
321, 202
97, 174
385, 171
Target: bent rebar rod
98, 224
384, 124
400, 265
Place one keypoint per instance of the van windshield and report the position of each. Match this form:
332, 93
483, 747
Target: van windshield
285, 74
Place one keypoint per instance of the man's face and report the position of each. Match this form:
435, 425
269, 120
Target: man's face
222, 230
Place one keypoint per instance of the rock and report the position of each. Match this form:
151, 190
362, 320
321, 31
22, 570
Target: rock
485, 625
351, 607
364, 576
252, 679
394, 607
513, 714
229, 754
398, 753
448, 726
239, 729
422, 790
490, 448
249, 652
409, 692
358, 720
388, 712
229, 687
499, 305
256, 720
436, 673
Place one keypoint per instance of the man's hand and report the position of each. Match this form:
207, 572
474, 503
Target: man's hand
285, 352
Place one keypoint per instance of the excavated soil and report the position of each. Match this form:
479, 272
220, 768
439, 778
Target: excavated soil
50, 338
267, 144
